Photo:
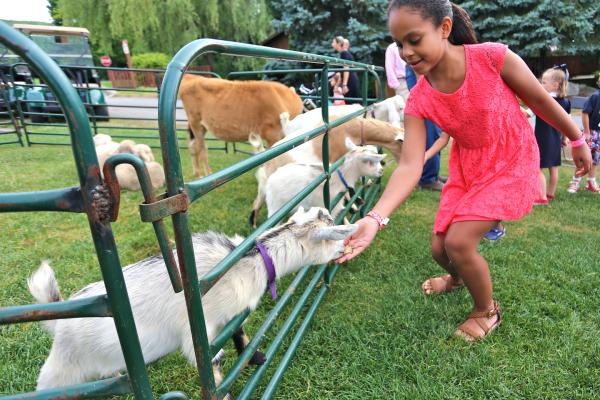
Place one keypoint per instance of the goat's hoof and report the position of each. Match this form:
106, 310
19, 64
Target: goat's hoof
258, 358
228, 396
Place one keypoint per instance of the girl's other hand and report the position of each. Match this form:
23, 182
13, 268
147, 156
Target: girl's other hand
362, 238
582, 157
564, 141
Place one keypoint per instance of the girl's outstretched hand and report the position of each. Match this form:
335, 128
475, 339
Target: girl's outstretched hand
362, 238
582, 157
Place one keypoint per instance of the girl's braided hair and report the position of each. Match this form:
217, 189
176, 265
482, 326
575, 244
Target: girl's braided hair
462, 27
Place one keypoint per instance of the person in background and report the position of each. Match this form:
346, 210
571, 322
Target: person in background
590, 118
350, 82
395, 71
549, 140
335, 81
346, 46
430, 179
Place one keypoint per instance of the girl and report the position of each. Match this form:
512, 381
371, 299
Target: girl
469, 90
336, 88
590, 118
549, 140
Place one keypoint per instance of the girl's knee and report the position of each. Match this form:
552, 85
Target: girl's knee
456, 246
437, 249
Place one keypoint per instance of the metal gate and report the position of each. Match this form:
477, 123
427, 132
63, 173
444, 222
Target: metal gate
99, 200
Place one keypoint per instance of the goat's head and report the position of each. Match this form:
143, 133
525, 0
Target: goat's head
314, 231
366, 158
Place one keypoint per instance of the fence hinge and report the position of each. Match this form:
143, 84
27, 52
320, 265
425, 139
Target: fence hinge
163, 207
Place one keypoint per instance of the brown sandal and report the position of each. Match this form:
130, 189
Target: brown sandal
468, 329
441, 284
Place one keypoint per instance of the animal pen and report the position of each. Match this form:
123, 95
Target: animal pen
98, 198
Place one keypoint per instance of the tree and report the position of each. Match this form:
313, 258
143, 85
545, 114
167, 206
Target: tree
54, 12
167, 25
312, 24
532, 27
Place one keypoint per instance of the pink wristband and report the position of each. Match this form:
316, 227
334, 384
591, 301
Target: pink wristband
578, 142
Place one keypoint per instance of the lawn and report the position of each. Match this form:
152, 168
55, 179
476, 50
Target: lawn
376, 335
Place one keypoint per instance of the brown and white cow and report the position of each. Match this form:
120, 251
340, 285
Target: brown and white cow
233, 110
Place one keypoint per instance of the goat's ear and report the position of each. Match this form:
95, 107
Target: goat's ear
338, 232
321, 215
298, 217
350, 144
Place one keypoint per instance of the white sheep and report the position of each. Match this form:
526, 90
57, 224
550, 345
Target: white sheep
101, 139
105, 147
126, 174
86, 349
290, 179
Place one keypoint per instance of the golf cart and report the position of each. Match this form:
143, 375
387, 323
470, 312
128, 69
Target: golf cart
69, 48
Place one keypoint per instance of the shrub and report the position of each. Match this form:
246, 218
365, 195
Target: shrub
150, 60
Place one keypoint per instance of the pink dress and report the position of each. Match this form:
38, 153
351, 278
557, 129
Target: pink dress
494, 160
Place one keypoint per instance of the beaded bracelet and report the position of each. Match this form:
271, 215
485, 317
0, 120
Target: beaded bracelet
578, 142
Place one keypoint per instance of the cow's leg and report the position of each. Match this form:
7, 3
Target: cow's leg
261, 178
198, 149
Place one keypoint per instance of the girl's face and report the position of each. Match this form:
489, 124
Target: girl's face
549, 84
420, 42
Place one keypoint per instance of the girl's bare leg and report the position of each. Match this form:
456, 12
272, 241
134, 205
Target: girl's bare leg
441, 284
461, 244
551, 189
542, 179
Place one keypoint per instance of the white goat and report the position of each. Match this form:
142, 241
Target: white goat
86, 349
290, 179
389, 110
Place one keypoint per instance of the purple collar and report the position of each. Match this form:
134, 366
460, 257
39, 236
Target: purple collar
269, 267
339, 173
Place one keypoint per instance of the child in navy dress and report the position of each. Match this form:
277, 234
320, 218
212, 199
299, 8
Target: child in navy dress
549, 140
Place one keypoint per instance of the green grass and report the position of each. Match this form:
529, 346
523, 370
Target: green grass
375, 336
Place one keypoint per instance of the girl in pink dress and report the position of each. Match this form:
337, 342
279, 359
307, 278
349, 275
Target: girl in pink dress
470, 90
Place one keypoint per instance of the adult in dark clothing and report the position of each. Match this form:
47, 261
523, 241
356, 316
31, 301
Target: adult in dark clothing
350, 82
430, 178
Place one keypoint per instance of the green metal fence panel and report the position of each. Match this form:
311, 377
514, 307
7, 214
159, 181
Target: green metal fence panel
95, 201
196, 189
99, 200
10, 129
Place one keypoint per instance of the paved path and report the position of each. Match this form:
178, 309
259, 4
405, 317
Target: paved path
138, 107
